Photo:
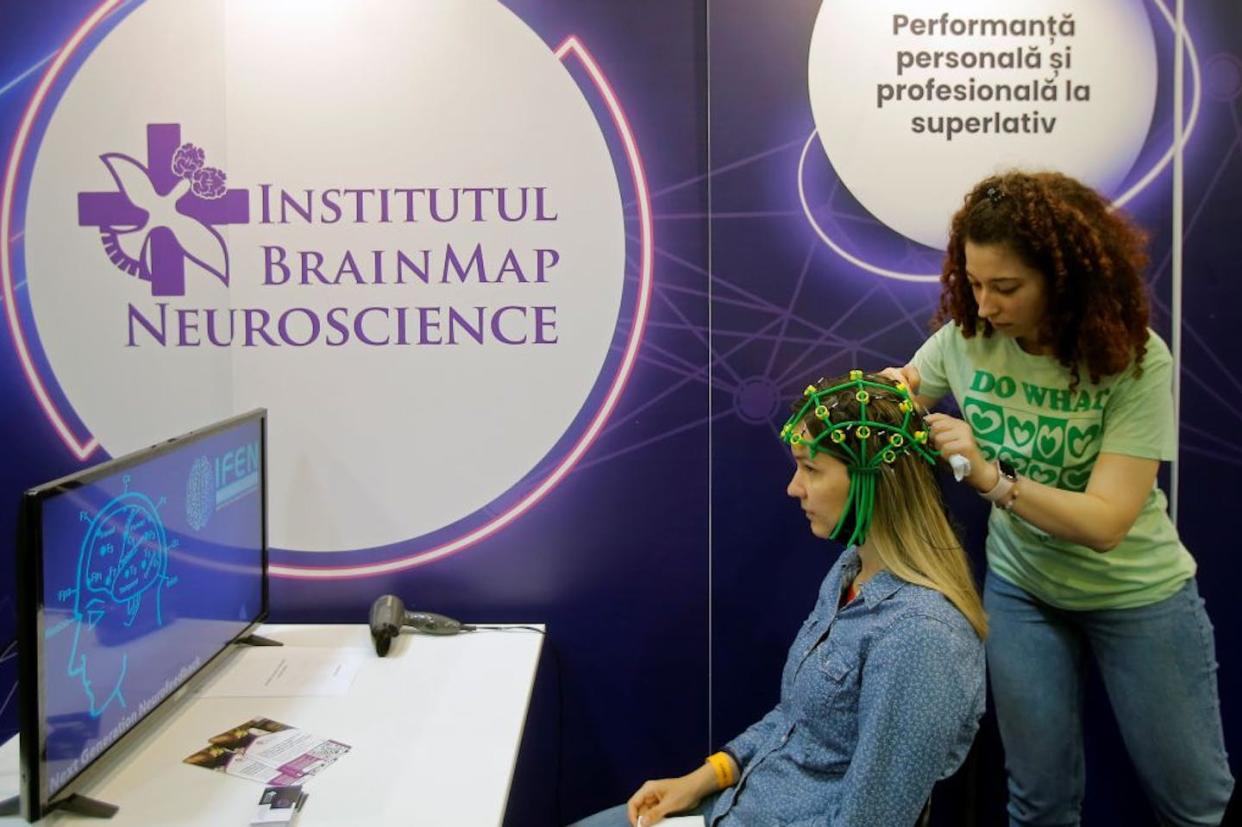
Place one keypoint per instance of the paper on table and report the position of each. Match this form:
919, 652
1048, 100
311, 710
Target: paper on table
268, 752
287, 671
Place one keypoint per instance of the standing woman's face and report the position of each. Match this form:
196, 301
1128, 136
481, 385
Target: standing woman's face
820, 485
1011, 295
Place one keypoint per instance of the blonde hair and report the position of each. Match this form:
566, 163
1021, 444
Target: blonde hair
910, 530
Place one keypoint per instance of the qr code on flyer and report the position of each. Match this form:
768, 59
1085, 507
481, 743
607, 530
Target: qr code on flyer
329, 750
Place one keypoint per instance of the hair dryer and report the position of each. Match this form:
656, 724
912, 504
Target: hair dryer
388, 615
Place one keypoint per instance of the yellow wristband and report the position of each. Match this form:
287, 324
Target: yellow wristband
723, 765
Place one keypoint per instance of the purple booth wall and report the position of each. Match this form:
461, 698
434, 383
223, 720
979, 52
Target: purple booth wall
669, 567
614, 559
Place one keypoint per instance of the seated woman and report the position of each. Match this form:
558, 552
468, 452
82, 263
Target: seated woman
884, 685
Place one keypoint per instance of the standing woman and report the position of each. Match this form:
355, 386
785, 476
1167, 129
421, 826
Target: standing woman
1065, 394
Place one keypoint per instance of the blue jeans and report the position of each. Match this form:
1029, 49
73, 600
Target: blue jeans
1158, 663
617, 816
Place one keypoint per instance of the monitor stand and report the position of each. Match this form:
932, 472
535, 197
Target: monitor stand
258, 640
83, 806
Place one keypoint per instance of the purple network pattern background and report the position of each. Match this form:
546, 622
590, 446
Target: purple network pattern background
783, 308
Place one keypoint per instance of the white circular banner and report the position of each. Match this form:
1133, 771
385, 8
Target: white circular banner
396, 225
914, 105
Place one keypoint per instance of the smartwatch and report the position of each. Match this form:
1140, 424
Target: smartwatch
1002, 494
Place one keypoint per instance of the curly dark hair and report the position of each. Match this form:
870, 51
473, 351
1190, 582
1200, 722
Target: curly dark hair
1091, 256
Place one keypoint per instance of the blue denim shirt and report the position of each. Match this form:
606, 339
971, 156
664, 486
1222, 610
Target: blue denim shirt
878, 701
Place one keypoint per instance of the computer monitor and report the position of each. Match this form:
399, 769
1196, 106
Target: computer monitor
133, 577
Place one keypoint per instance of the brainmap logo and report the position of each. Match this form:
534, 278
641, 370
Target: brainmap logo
165, 212
374, 267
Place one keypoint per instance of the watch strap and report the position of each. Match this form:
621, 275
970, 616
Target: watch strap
1000, 491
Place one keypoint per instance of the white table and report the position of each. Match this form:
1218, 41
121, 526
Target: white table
435, 728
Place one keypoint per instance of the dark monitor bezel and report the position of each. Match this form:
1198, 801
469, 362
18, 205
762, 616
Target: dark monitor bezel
35, 802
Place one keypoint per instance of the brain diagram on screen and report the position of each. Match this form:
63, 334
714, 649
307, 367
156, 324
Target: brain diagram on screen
122, 569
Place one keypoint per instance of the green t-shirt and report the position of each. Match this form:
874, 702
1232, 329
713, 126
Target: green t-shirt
1021, 407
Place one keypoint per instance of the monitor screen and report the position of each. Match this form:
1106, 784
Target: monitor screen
144, 569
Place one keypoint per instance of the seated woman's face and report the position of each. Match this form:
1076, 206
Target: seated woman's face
820, 486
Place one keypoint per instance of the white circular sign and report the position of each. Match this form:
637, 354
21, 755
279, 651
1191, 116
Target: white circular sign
396, 225
914, 105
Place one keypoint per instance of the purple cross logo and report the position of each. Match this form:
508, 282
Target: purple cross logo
165, 212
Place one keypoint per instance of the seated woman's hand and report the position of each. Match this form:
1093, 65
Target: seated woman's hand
665, 796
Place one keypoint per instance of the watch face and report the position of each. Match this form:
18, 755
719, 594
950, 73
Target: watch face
1008, 470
